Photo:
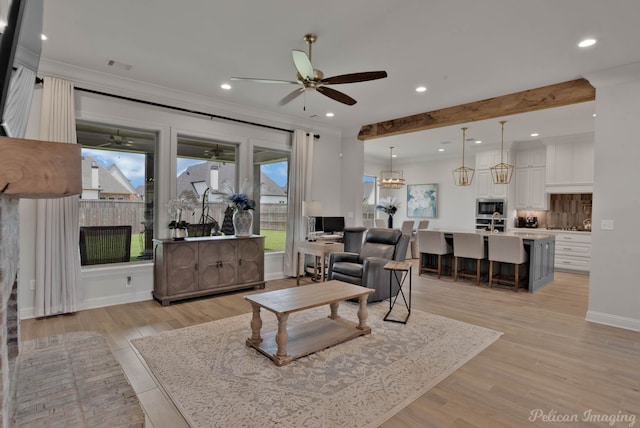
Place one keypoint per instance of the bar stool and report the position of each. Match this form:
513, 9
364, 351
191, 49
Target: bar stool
468, 246
506, 249
431, 242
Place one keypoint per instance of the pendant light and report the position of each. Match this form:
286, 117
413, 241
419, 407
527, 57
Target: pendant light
463, 176
391, 179
502, 172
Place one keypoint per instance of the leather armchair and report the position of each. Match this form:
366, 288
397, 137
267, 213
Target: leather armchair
367, 267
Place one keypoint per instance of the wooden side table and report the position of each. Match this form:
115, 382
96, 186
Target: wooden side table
317, 249
399, 270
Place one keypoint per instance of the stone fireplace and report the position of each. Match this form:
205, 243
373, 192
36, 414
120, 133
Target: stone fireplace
10, 326
28, 169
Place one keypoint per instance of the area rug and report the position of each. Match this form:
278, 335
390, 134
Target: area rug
215, 380
73, 380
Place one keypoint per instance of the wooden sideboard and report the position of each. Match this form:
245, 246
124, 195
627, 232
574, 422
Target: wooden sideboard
204, 266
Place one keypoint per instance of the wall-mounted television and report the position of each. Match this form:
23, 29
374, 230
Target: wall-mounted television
20, 47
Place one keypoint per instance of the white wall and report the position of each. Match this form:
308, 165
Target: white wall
614, 288
107, 285
456, 204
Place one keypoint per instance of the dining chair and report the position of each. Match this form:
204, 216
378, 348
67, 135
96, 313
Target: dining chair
423, 224
381, 223
407, 229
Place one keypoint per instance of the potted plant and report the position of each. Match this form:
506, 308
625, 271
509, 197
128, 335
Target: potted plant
242, 205
186, 201
390, 207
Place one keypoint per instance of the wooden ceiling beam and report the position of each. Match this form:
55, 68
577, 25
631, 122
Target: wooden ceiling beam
561, 94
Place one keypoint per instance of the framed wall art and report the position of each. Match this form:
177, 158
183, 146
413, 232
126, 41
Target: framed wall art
422, 200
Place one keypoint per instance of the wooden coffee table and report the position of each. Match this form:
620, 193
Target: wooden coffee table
292, 342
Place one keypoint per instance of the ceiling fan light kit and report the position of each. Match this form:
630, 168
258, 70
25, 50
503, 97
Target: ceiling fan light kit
391, 179
502, 172
463, 176
311, 79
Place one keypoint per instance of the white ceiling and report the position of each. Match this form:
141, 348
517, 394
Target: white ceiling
462, 50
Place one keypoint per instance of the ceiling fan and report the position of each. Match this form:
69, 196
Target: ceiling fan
117, 140
311, 79
221, 154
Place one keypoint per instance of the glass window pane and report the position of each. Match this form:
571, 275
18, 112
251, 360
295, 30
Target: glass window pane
118, 182
271, 175
206, 169
369, 200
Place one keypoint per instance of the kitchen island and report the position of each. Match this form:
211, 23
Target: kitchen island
540, 248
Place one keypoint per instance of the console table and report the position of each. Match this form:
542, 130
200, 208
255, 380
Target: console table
204, 266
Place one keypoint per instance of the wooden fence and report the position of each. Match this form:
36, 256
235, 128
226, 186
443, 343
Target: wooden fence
114, 213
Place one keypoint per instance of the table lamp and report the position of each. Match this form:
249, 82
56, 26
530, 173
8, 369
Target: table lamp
311, 210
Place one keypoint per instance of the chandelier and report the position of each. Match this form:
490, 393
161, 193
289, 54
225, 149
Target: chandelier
463, 176
502, 172
391, 179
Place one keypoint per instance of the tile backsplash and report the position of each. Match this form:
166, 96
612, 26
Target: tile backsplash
565, 210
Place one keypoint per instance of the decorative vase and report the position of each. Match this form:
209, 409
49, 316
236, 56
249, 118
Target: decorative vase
242, 222
390, 222
178, 234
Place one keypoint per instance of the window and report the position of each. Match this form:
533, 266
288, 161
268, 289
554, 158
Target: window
369, 200
270, 190
207, 169
118, 170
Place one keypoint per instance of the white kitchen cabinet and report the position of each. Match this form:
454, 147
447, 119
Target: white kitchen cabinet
530, 180
489, 158
570, 167
531, 158
573, 252
485, 187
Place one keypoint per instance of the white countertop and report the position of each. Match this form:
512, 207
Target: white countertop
547, 231
522, 233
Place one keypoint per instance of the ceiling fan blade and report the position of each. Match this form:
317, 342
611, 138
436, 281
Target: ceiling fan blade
303, 64
354, 77
336, 95
291, 96
250, 79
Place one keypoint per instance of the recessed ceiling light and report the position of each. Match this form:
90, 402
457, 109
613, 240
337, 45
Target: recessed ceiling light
394, 156
43, 37
535, 134
441, 150
587, 42
225, 86
421, 89
329, 114
594, 115
478, 141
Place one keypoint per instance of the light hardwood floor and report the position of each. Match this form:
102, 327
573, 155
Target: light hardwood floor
549, 357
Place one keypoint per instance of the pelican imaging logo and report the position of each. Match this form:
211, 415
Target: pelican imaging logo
588, 416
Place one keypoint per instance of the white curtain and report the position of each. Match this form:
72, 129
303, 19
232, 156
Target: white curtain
18, 102
300, 177
57, 220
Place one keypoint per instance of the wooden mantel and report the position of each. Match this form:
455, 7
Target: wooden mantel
39, 169
561, 94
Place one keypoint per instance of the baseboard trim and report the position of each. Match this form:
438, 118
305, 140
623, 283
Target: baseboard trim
101, 302
613, 320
